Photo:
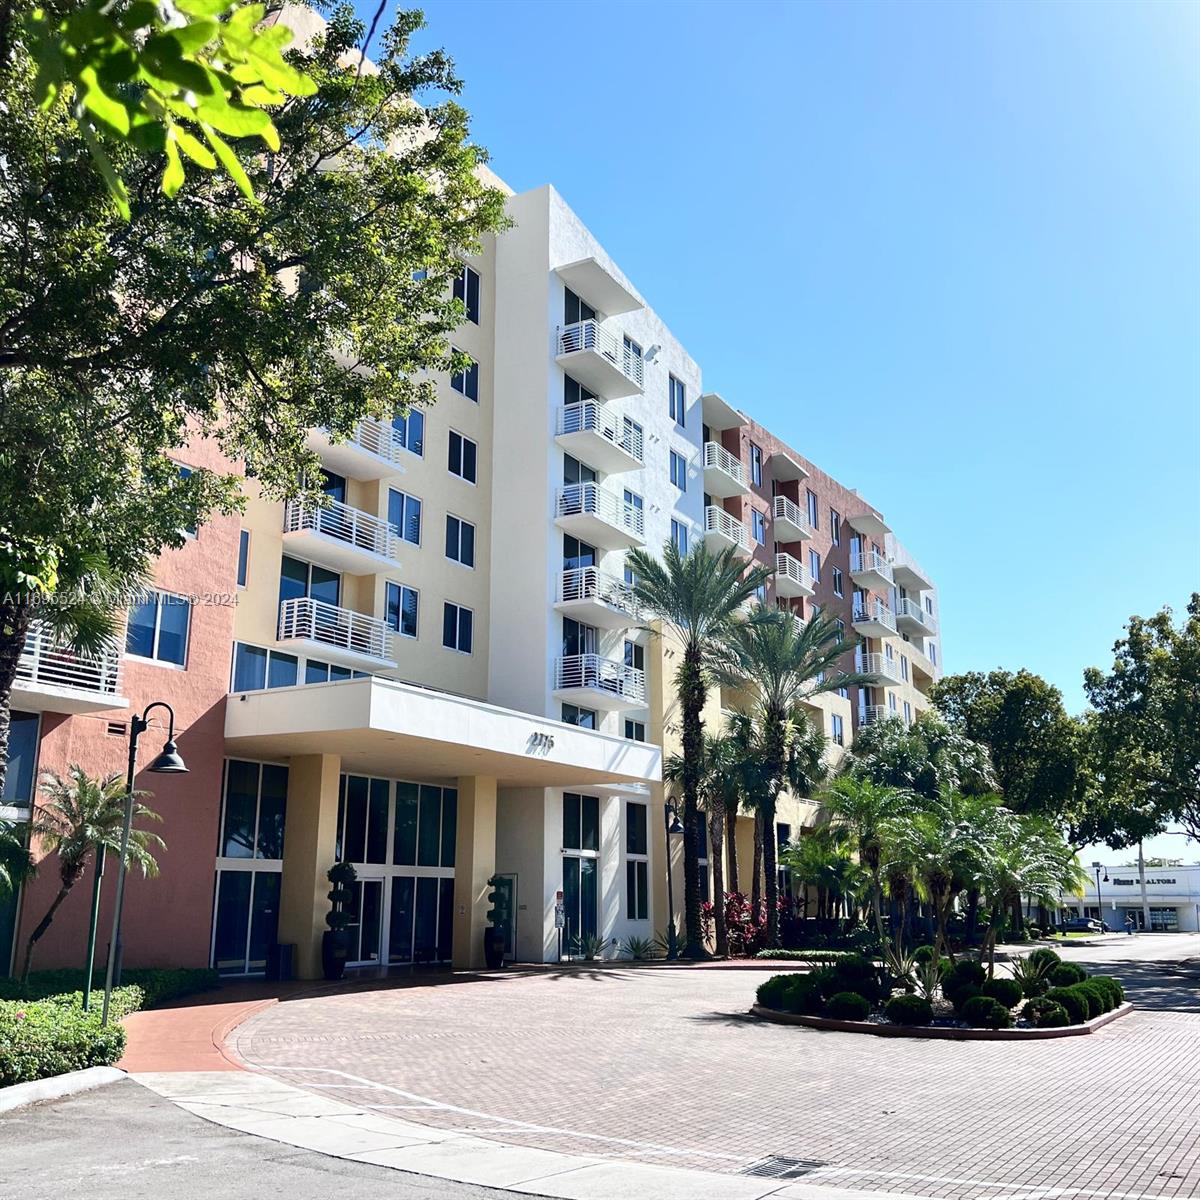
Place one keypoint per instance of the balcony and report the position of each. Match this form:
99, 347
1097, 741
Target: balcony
722, 530
792, 578
599, 683
52, 678
874, 619
724, 475
874, 713
871, 570
597, 598
373, 452
338, 635
595, 434
877, 664
340, 537
598, 358
912, 619
599, 517
789, 521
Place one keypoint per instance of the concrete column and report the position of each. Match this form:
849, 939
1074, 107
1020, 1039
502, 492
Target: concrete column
310, 837
474, 865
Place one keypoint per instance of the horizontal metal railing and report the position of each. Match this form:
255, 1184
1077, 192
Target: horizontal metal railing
363, 530
594, 500
591, 335
877, 664
874, 713
871, 560
783, 509
602, 674
787, 567
590, 583
45, 663
316, 621
875, 611
717, 520
911, 609
590, 416
717, 458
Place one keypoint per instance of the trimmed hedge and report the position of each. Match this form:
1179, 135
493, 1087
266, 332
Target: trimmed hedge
1044, 1013
1075, 1004
770, 991
157, 985
1066, 974
908, 1010
803, 996
986, 1013
1045, 955
812, 956
1007, 991
848, 1006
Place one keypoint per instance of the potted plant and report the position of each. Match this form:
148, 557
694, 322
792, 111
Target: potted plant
335, 942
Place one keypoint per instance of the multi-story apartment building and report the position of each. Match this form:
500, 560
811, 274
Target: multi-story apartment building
443, 676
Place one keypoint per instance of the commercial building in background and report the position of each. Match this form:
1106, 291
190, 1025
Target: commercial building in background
443, 676
1170, 902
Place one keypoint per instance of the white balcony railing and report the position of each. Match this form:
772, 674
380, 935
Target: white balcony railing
914, 612
378, 437
717, 458
602, 674
590, 416
785, 511
874, 713
877, 664
591, 335
590, 583
42, 663
340, 628
718, 521
362, 530
875, 612
592, 500
870, 561
792, 570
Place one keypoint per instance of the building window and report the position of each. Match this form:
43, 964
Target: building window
756, 461
185, 473
814, 566
637, 869
462, 457
837, 582
466, 289
907, 713
844, 692
932, 653
835, 527
467, 382
676, 401
457, 627
929, 605
158, 628
813, 510
404, 515
679, 470
679, 536
402, 602
635, 655
460, 541
758, 526
410, 431
635, 731
23, 731
572, 714
243, 563
581, 822
760, 593
837, 729
892, 701
298, 579
904, 667
840, 625
321, 672
255, 668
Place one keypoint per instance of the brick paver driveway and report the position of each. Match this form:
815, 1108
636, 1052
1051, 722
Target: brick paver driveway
662, 1065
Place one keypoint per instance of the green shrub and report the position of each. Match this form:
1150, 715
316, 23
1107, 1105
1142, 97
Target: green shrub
923, 953
157, 984
770, 991
39, 1038
803, 996
854, 973
1116, 993
1033, 975
908, 1010
848, 1006
1075, 1004
1044, 1013
986, 1013
1007, 991
1097, 997
1045, 955
964, 995
1066, 974
811, 956
962, 980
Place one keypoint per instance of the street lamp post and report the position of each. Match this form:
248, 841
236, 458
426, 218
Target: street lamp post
167, 763
1098, 867
672, 826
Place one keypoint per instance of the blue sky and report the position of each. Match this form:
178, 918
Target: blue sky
950, 251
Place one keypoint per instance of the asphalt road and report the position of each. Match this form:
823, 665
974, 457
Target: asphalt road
122, 1142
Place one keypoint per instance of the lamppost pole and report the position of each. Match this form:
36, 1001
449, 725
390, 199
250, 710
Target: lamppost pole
168, 762
1099, 898
669, 819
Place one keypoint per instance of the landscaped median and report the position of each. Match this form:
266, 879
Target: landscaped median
44, 1030
1044, 998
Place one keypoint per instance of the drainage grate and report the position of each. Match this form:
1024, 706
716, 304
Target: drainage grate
775, 1166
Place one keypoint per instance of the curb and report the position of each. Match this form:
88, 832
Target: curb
17, 1095
941, 1033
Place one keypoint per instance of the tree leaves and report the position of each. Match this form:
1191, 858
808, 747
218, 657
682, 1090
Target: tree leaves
207, 63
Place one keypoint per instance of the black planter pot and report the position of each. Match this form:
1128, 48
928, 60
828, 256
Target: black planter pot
335, 950
493, 948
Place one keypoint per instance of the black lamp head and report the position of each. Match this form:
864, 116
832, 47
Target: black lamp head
168, 762
676, 825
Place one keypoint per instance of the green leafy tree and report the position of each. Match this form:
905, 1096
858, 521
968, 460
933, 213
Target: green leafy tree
16, 863
697, 597
783, 664
823, 859
79, 817
325, 300
1145, 729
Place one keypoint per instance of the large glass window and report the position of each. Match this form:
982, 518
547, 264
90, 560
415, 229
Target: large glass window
466, 289
22, 760
158, 628
410, 431
404, 515
677, 401
460, 540
255, 668
467, 382
581, 822
462, 457
402, 604
458, 625
298, 579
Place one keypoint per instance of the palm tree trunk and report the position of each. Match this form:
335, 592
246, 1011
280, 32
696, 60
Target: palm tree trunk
731, 842
771, 876
692, 694
972, 921
64, 890
1018, 917
14, 624
756, 879
716, 833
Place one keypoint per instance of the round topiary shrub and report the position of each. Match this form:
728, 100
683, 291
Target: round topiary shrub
854, 973
770, 992
1097, 997
1007, 991
986, 1013
1045, 955
1044, 1013
1112, 987
922, 954
964, 995
826, 982
908, 1010
1075, 1004
848, 1006
802, 996
1067, 974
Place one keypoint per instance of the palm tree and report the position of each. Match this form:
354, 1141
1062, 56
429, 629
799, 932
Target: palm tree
823, 858
82, 816
16, 863
697, 597
785, 664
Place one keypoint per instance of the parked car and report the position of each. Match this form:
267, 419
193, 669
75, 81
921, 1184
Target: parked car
1084, 925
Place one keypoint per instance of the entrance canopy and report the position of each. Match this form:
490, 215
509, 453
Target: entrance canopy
383, 727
